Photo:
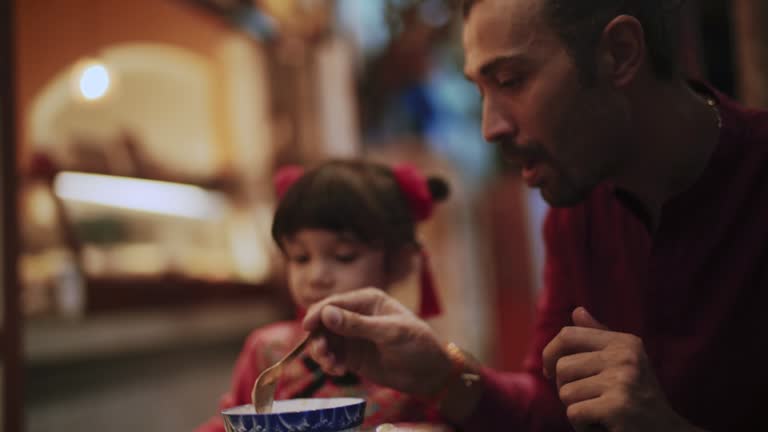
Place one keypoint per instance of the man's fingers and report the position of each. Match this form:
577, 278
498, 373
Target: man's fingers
573, 340
582, 390
587, 414
354, 325
578, 366
320, 351
364, 301
582, 318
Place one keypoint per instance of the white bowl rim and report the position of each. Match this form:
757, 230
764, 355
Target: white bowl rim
333, 403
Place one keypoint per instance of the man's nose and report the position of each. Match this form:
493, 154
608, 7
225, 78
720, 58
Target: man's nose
497, 122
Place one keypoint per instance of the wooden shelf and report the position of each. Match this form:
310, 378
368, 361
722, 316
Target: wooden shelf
116, 294
58, 340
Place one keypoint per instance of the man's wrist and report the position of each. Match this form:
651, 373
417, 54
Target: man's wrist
461, 388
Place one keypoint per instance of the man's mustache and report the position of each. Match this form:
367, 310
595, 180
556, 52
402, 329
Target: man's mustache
520, 154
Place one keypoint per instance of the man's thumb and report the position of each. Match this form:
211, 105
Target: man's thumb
353, 325
582, 318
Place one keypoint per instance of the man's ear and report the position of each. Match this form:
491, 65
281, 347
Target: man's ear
622, 50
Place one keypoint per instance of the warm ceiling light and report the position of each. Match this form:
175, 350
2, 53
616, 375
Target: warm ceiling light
91, 80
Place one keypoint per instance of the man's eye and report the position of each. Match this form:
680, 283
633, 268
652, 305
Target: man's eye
346, 257
509, 82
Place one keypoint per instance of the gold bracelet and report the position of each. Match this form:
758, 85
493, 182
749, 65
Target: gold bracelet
460, 368
461, 364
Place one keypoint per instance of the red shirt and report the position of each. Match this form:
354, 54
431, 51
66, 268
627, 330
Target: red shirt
695, 291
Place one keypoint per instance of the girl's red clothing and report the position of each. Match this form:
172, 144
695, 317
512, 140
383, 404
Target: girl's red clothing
303, 378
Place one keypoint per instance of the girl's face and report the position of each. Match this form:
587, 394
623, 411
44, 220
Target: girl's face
322, 262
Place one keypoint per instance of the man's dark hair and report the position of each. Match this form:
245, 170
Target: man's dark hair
580, 23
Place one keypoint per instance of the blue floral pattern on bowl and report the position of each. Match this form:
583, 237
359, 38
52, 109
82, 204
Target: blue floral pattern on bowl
299, 415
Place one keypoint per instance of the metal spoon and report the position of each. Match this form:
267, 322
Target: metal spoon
263, 393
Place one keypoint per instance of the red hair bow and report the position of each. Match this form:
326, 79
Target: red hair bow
286, 177
414, 186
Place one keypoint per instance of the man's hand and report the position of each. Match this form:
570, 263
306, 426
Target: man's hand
604, 378
371, 334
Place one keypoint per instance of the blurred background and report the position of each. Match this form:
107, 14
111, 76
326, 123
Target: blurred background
138, 143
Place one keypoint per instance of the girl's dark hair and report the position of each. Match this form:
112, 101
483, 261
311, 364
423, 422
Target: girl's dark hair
351, 196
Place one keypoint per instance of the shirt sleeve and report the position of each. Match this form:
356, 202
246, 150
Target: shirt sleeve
525, 400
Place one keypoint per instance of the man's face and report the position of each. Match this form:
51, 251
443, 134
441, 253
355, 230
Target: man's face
564, 135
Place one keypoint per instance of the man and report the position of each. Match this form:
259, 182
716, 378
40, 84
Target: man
657, 246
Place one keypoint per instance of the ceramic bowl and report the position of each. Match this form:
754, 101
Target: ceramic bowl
299, 415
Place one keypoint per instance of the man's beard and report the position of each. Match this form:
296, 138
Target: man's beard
565, 197
564, 190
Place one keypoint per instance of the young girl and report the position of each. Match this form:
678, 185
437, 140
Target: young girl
342, 226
